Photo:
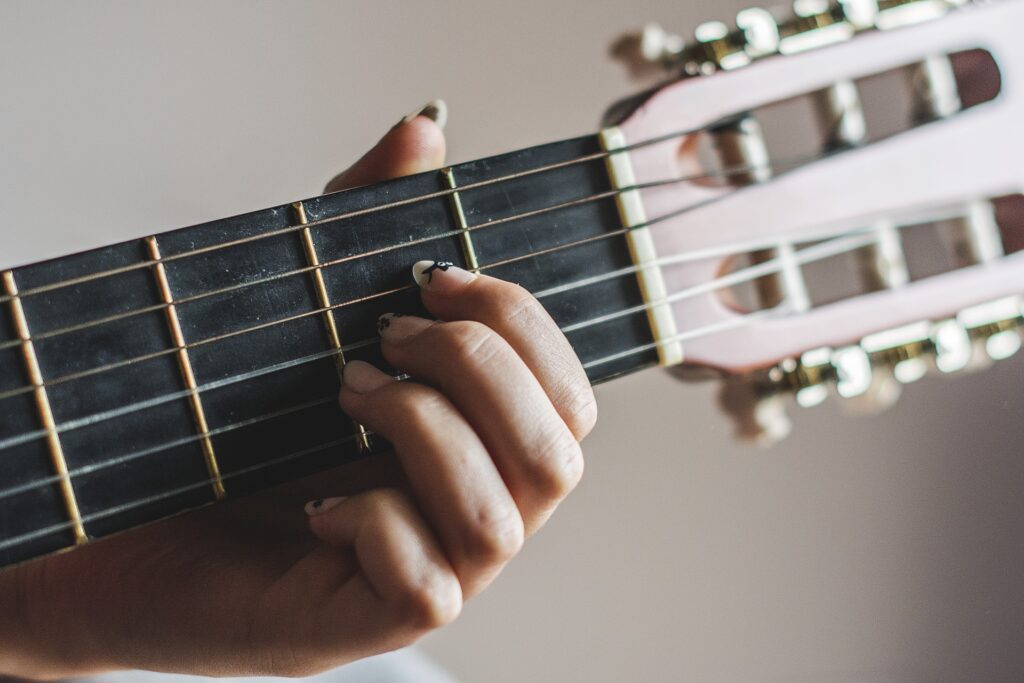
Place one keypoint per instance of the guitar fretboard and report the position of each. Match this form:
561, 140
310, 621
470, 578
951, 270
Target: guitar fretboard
164, 373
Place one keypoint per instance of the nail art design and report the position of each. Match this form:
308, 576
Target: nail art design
384, 322
321, 505
443, 266
435, 110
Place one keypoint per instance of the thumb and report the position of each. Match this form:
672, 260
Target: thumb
414, 145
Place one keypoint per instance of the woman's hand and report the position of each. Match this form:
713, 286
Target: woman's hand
487, 441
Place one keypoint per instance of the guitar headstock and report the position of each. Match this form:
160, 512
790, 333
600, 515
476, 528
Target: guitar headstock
876, 235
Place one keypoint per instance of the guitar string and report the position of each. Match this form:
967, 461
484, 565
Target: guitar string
669, 260
149, 403
125, 507
727, 172
356, 300
823, 250
667, 137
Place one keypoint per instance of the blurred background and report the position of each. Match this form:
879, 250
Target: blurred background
876, 549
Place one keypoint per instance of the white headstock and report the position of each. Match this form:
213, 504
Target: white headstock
863, 195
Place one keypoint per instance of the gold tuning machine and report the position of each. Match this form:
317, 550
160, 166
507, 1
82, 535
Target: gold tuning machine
869, 375
758, 33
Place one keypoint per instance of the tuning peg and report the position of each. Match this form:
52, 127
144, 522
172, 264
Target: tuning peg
953, 346
758, 414
861, 14
647, 53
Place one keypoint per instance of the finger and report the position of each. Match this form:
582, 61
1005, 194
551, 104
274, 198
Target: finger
412, 583
455, 482
414, 145
452, 293
537, 455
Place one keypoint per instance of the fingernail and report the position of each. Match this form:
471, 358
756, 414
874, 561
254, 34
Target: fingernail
440, 276
322, 505
362, 378
395, 327
435, 110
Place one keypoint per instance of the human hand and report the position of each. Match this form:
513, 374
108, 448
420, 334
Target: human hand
486, 446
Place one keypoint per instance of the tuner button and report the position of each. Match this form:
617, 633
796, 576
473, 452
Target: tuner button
809, 8
647, 53
853, 371
760, 31
861, 14
1002, 345
757, 416
953, 346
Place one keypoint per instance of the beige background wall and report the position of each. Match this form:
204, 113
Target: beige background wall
885, 549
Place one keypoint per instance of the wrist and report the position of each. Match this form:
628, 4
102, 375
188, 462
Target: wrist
33, 645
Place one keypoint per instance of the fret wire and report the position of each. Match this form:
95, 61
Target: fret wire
468, 250
328, 315
185, 364
691, 334
362, 212
817, 252
45, 411
724, 173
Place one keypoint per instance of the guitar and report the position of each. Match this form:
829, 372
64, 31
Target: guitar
170, 372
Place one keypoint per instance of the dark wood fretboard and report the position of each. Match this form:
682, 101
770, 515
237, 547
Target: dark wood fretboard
160, 374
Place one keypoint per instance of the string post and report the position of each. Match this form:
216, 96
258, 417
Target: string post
740, 144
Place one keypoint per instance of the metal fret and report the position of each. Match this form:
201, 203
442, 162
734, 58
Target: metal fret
362, 439
187, 374
468, 250
60, 464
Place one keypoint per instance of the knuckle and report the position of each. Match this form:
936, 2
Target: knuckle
494, 537
578, 406
431, 602
384, 503
558, 467
470, 341
583, 414
521, 306
420, 406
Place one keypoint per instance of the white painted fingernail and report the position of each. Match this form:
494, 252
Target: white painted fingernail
435, 110
322, 505
362, 378
428, 275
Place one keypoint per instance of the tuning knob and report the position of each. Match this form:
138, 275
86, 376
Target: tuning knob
649, 52
758, 414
